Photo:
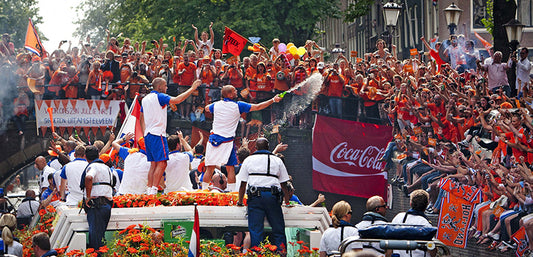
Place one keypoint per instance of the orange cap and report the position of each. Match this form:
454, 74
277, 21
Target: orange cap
52, 153
506, 105
105, 157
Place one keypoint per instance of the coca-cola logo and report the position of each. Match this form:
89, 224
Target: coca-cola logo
364, 158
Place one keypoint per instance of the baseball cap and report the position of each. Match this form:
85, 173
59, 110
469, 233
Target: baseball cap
320, 65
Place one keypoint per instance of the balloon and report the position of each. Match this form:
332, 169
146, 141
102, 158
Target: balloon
289, 56
250, 48
289, 45
293, 50
296, 56
282, 47
301, 51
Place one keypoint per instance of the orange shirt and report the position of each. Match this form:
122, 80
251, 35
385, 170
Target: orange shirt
282, 85
187, 78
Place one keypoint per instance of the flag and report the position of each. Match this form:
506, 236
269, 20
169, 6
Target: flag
132, 122
485, 43
254, 39
520, 237
233, 43
194, 245
33, 43
454, 220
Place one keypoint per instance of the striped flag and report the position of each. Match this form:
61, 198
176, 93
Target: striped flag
132, 122
194, 245
33, 43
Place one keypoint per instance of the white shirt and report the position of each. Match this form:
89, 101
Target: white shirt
100, 173
154, 108
71, 175
24, 209
55, 164
365, 224
523, 67
411, 220
207, 46
331, 239
226, 116
257, 164
44, 176
177, 172
135, 177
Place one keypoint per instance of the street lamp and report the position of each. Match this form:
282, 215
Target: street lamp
337, 50
391, 11
452, 14
514, 33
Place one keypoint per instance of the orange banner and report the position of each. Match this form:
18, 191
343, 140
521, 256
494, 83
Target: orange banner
454, 221
521, 241
33, 43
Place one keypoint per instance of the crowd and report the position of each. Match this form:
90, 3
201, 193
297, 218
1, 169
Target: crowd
454, 115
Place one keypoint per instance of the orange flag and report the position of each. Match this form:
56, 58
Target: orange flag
33, 43
485, 43
233, 42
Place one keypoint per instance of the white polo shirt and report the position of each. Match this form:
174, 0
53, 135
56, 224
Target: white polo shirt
177, 172
71, 174
154, 109
135, 177
226, 116
411, 220
44, 176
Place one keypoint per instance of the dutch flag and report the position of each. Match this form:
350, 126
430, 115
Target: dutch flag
194, 245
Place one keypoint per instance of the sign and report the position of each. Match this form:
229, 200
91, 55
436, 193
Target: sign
454, 221
413, 51
345, 157
77, 113
353, 53
177, 231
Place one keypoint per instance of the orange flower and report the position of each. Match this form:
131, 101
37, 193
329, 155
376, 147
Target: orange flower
132, 250
272, 248
103, 249
300, 242
89, 250
42, 212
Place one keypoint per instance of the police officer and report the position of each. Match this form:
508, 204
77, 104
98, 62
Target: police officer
264, 177
99, 194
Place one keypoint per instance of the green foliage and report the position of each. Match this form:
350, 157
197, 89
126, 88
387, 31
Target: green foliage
14, 16
289, 20
489, 21
356, 9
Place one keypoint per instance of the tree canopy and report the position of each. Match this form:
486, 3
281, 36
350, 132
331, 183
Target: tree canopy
289, 20
14, 16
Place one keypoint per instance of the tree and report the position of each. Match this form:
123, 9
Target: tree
97, 16
14, 15
288, 20
356, 9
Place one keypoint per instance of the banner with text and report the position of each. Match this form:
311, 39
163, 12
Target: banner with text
345, 155
84, 114
454, 220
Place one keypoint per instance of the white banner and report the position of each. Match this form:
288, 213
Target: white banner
77, 113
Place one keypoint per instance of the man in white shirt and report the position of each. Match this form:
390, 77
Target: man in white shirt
71, 177
136, 166
376, 209
419, 200
44, 171
154, 125
220, 147
264, 178
523, 67
177, 172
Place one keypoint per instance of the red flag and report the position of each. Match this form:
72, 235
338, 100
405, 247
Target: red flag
132, 122
194, 245
233, 42
521, 240
347, 164
33, 43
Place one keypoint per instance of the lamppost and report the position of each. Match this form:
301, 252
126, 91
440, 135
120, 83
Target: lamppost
391, 11
337, 51
452, 14
514, 33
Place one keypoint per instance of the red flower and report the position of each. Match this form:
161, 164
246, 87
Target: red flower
89, 250
132, 250
103, 249
300, 242
272, 248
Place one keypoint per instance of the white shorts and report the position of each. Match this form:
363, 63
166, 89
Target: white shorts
218, 155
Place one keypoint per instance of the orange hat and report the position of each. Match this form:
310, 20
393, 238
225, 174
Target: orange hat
105, 157
52, 153
141, 143
506, 105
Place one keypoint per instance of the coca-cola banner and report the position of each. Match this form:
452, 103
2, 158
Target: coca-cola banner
345, 155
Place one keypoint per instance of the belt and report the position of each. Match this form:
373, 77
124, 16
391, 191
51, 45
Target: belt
264, 189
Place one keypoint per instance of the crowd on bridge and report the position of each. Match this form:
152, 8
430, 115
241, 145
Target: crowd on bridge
454, 115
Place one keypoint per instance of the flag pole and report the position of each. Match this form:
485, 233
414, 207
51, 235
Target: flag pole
128, 115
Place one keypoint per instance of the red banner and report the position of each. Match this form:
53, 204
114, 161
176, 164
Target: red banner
454, 220
233, 43
345, 155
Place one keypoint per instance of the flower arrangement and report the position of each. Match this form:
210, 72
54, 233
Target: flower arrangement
45, 224
176, 199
